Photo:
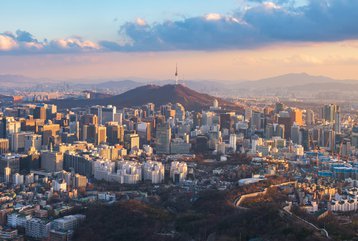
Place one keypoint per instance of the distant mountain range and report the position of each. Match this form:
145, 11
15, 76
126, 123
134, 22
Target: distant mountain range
159, 95
288, 80
119, 86
295, 84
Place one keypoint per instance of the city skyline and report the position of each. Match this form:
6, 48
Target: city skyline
210, 40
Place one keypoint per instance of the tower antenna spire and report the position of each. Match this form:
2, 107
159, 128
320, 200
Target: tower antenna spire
176, 75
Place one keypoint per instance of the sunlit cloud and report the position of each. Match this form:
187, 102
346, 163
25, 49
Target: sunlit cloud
23, 42
264, 23
256, 25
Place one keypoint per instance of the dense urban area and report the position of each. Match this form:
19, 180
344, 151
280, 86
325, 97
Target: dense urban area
189, 167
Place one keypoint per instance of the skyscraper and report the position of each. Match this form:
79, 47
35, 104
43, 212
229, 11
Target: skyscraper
285, 119
295, 133
296, 116
108, 114
101, 135
232, 142
310, 117
225, 121
329, 112
96, 110
115, 133
40, 112
269, 131
131, 141
4, 146
163, 139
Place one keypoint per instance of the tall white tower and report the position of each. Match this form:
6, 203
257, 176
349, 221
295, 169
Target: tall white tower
176, 75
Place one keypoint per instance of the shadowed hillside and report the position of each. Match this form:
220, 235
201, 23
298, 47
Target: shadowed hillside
158, 95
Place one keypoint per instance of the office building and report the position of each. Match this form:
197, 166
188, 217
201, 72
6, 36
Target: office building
163, 139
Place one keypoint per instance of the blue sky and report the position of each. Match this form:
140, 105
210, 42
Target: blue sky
98, 20
34, 26
91, 38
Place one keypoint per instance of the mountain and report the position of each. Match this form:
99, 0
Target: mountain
288, 80
4, 78
159, 95
297, 85
119, 86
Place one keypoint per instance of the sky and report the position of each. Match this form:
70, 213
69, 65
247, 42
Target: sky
208, 39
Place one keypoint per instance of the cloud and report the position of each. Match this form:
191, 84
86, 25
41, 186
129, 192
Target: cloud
213, 17
141, 22
23, 42
262, 23
7, 43
259, 23
197, 33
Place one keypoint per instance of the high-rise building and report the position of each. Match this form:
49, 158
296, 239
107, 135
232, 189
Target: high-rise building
115, 133
257, 120
310, 119
17, 141
4, 146
89, 119
11, 161
225, 121
108, 114
131, 141
51, 111
269, 131
101, 135
79, 181
149, 109
197, 119
83, 133
37, 228
7, 174
144, 132
280, 131
40, 112
296, 116
96, 110
30, 162
232, 142
163, 139
329, 112
81, 164
69, 222
32, 142
179, 146
337, 121
285, 119
248, 114
295, 133
51, 161
305, 138
17, 179
50, 133
9, 126
178, 171
91, 133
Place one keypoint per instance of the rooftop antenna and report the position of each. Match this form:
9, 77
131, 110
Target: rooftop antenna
176, 75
